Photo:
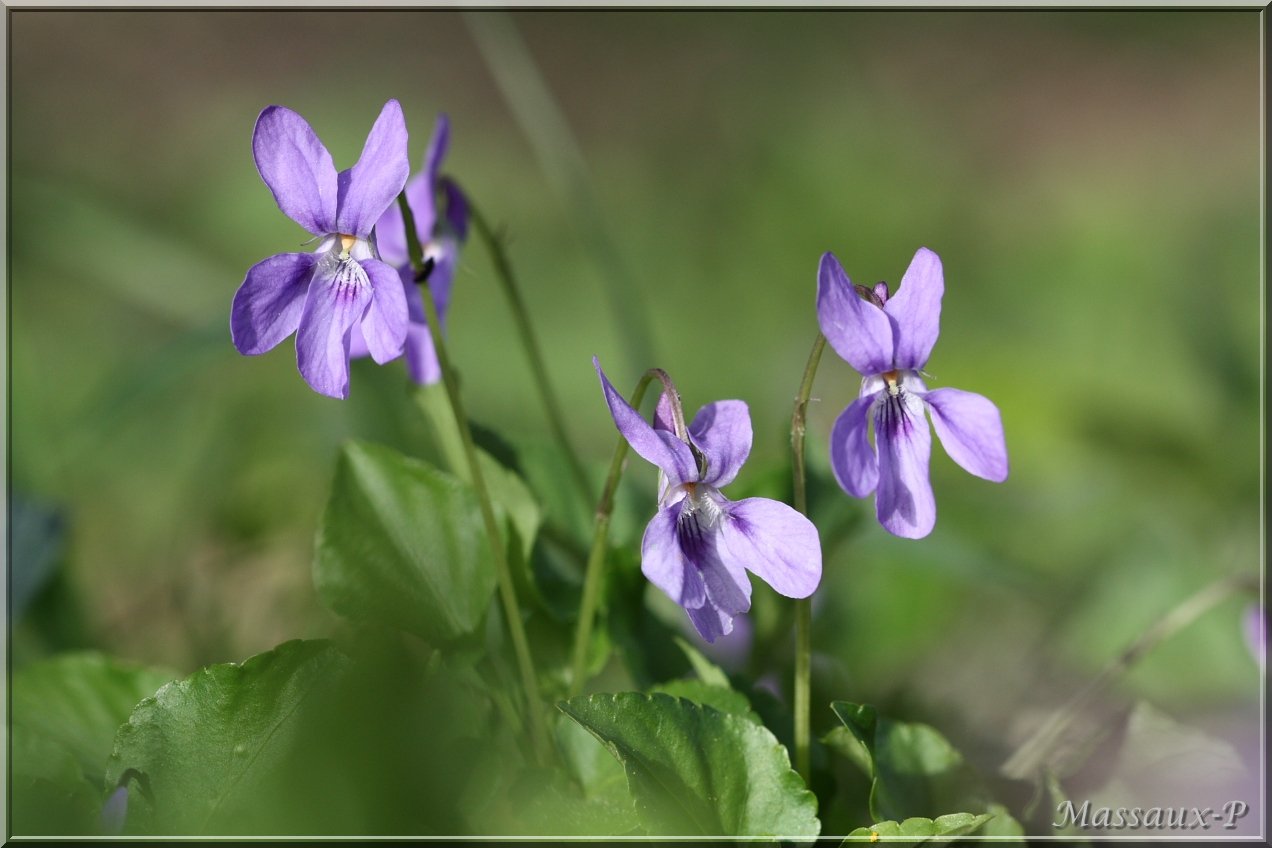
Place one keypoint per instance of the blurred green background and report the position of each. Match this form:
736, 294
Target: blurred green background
1090, 180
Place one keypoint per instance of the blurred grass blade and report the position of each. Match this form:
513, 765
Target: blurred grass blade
558, 152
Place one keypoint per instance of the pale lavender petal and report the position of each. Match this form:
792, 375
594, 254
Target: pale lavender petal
915, 309
357, 342
384, 325
390, 233
722, 432
367, 189
776, 542
663, 416
858, 331
971, 429
663, 562
711, 623
660, 447
904, 503
728, 587
852, 457
338, 296
297, 168
421, 357
268, 305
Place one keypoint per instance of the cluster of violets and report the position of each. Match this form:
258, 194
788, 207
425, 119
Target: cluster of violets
356, 295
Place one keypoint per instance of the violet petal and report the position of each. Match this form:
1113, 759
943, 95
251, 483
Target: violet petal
915, 310
858, 331
268, 305
660, 447
373, 183
971, 430
904, 503
852, 457
722, 432
663, 563
425, 204
297, 168
776, 542
384, 325
334, 302
711, 623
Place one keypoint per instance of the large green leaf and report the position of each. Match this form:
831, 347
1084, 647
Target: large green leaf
78, 701
402, 544
215, 746
696, 771
921, 829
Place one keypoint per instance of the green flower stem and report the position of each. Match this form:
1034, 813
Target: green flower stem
596, 557
503, 271
803, 606
507, 592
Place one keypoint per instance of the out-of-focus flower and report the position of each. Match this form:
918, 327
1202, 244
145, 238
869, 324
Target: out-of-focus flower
888, 340
115, 811
1255, 625
441, 225
324, 296
699, 545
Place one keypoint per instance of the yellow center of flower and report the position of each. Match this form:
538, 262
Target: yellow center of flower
346, 242
893, 380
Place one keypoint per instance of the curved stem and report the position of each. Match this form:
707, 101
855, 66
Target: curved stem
803, 606
507, 592
503, 271
596, 557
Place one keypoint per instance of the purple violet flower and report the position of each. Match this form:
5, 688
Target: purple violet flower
440, 236
323, 296
888, 341
699, 544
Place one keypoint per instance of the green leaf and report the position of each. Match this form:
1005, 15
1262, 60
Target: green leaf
513, 500
707, 671
402, 544
78, 701
720, 698
923, 830
696, 771
214, 746
914, 770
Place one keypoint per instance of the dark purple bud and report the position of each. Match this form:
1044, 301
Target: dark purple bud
878, 295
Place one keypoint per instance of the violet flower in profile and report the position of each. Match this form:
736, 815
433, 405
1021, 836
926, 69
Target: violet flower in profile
324, 296
888, 340
441, 231
699, 545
